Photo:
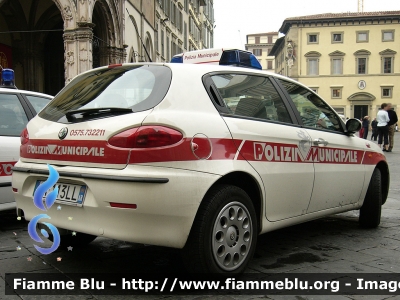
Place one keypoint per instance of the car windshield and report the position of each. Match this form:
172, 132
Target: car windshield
129, 88
38, 102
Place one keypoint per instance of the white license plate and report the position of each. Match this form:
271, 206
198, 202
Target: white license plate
71, 194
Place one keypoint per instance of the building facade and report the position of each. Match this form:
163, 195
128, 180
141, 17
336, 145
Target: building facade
260, 44
350, 59
183, 25
49, 42
139, 24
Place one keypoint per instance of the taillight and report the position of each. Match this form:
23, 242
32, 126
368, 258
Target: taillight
146, 137
114, 66
24, 136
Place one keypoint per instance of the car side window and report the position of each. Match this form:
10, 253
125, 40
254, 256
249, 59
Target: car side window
251, 96
12, 116
38, 102
314, 112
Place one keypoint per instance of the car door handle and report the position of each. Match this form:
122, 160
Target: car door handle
320, 141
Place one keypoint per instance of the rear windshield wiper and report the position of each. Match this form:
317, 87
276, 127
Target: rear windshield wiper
93, 112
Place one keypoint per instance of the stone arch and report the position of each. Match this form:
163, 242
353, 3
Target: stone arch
134, 38
107, 32
362, 52
68, 12
312, 54
132, 56
363, 96
337, 53
32, 22
149, 46
388, 52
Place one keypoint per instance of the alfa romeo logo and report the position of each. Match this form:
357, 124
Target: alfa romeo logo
63, 133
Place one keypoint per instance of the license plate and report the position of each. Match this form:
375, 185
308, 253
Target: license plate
71, 194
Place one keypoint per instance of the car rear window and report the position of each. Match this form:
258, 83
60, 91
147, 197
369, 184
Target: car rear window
137, 87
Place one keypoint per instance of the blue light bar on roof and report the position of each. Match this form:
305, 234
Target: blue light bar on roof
7, 78
240, 58
231, 57
177, 59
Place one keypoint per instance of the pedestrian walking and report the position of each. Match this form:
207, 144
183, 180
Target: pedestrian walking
365, 125
392, 126
383, 128
374, 127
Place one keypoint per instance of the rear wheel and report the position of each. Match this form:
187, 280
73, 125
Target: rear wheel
370, 212
224, 233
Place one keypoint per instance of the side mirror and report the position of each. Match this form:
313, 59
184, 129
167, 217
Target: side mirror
353, 125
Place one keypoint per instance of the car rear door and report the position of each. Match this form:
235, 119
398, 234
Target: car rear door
257, 115
337, 157
13, 119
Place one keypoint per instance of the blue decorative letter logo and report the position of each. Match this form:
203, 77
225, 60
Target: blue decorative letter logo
38, 201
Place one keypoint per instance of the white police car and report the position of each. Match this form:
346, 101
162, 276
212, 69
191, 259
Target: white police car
17, 107
201, 157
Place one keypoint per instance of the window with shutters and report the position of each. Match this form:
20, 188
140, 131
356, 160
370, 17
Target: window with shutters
387, 35
313, 66
337, 37
162, 43
168, 56
387, 91
336, 92
185, 35
361, 65
312, 62
257, 52
387, 58
312, 38
362, 36
337, 58
337, 66
362, 61
156, 37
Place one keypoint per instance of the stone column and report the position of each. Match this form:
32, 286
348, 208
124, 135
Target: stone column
78, 50
84, 38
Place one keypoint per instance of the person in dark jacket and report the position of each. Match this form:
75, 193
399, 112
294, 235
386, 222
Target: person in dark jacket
392, 125
374, 127
365, 125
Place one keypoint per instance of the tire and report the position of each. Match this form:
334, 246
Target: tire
224, 233
370, 212
80, 239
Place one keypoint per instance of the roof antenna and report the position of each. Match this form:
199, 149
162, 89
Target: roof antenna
137, 31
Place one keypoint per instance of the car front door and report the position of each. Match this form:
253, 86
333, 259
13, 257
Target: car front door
13, 120
268, 138
337, 157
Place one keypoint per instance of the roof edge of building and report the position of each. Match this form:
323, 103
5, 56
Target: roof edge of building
326, 17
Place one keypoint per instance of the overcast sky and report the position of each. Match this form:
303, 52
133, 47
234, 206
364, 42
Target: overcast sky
234, 19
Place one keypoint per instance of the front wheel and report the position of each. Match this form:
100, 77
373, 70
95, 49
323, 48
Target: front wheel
370, 212
224, 233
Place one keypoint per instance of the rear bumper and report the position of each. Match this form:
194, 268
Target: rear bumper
164, 214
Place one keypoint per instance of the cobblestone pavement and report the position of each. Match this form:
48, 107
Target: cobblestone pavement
332, 244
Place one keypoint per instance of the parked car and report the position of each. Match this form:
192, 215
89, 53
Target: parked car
17, 107
198, 156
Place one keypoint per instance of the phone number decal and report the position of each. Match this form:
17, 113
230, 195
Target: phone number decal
87, 132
